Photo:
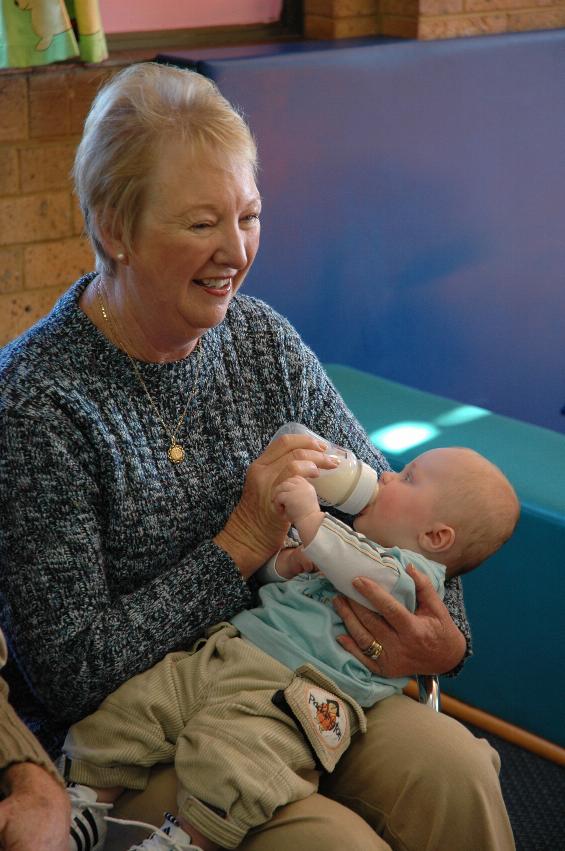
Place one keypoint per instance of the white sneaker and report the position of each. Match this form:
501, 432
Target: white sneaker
170, 837
88, 826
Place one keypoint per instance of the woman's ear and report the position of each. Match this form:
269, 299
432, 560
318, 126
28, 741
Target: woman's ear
438, 538
110, 236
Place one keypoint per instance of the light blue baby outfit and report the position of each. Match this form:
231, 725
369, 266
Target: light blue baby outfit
296, 622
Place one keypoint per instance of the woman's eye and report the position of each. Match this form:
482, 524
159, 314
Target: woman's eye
252, 217
205, 224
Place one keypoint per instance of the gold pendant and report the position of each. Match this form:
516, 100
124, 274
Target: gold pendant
176, 453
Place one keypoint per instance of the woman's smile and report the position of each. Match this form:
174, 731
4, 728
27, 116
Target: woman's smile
215, 286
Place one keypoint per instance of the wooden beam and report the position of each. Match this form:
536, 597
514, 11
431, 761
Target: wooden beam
491, 724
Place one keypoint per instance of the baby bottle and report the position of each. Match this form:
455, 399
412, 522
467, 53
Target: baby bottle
350, 486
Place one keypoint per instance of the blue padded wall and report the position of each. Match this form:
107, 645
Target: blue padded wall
414, 220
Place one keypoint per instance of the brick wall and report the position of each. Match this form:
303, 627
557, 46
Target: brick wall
41, 247
429, 19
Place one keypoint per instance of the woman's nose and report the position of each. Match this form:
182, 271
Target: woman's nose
232, 251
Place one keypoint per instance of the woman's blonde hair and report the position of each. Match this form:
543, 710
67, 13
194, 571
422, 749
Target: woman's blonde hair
131, 117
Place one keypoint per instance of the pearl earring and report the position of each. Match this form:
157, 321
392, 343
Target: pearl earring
120, 256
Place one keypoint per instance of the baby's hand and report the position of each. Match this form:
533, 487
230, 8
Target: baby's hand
297, 498
292, 561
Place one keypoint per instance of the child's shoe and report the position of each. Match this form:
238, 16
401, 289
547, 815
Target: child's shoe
88, 826
170, 837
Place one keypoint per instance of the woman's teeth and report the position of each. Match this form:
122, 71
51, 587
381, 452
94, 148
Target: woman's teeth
213, 283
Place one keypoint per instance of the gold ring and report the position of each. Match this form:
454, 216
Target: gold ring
374, 650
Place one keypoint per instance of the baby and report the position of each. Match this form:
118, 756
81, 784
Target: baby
449, 505
252, 715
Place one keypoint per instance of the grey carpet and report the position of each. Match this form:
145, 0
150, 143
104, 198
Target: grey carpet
534, 793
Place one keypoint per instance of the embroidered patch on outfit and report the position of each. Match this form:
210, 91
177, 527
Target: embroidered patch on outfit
329, 716
324, 717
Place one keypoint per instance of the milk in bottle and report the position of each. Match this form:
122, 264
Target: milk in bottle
350, 486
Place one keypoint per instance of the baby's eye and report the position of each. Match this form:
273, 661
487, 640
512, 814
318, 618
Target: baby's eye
407, 476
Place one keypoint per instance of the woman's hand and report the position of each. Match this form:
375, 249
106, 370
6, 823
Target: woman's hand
426, 642
256, 528
36, 814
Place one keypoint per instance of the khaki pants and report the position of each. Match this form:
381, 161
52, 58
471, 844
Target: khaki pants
231, 718
416, 781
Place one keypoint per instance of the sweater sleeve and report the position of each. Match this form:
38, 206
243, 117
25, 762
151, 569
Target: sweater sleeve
17, 743
58, 601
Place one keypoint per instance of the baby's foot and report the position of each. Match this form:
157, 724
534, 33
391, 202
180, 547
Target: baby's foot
88, 826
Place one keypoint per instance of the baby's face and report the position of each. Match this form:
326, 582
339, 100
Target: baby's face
406, 503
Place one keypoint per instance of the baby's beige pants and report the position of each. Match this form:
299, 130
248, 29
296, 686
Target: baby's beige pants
246, 734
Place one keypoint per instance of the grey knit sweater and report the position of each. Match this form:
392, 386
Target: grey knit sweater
106, 547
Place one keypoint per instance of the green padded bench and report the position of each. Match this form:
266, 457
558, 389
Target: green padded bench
514, 601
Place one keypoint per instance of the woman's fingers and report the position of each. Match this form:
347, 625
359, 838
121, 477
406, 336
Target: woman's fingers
377, 666
289, 443
306, 469
293, 451
426, 596
388, 607
362, 625
368, 627
425, 641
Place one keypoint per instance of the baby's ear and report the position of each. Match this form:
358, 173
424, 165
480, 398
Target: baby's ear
438, 538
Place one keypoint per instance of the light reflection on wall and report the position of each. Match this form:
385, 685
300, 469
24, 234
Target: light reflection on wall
461, 414
400, 436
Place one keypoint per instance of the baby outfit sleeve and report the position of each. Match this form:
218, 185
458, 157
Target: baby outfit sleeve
342, 554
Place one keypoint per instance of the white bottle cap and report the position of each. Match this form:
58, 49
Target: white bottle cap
363, 491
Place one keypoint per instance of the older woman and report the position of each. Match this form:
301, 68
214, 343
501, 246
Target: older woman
135, 485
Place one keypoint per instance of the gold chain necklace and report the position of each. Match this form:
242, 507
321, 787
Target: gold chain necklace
175, 453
